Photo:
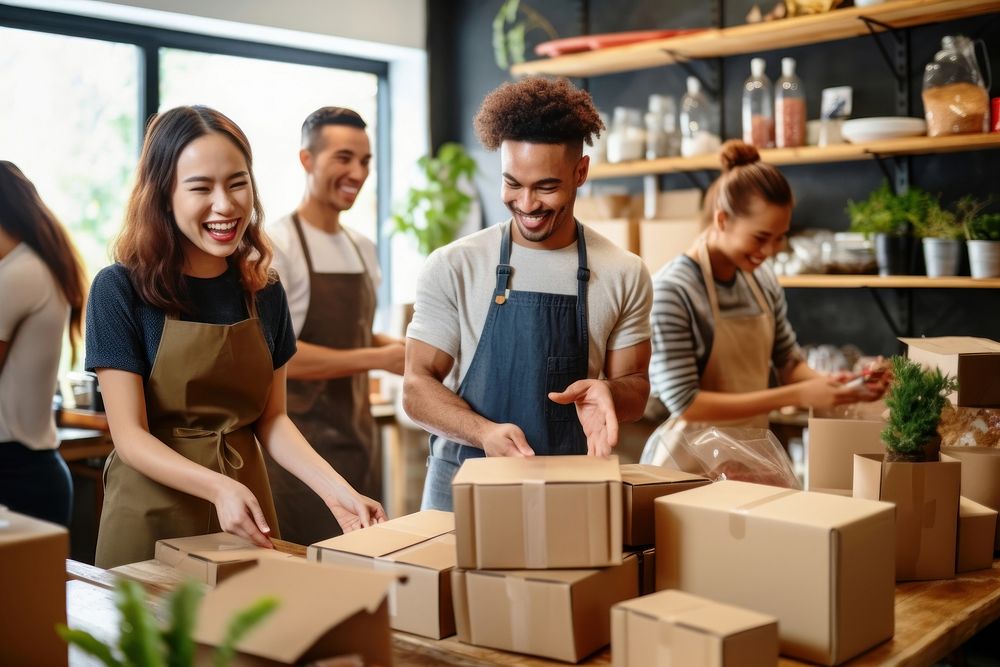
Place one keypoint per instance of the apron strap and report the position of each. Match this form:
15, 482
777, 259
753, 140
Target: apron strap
504, 269
582, 278
706, 273
297, 223
227, 456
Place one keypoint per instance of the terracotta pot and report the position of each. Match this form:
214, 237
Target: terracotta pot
929, 453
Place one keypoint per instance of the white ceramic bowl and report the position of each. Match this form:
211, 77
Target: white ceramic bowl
860, 130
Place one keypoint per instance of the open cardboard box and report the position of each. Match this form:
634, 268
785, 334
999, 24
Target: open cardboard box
677, 629
980, 476
926, 499
977, 527
420, 550
641, 485
822, 564
974, 361
213, 558
323, 612
560, 614
834, 438
540, 512
33, 589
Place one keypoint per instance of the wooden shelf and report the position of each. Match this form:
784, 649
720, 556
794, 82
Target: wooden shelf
756, 37
913, 282
806, 155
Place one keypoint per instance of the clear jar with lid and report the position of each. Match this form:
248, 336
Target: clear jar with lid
954, 95
697, 135
627, 139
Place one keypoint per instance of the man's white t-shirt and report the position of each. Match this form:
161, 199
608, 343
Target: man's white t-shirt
455, 290
33, 318
330, 253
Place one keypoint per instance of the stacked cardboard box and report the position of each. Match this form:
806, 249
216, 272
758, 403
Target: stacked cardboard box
835, 436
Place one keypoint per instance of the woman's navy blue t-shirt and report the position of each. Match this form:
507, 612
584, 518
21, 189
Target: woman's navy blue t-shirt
123, 331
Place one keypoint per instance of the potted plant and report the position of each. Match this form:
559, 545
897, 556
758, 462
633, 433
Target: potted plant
915, 399
941, 233
509, 43
982, 231
888, 218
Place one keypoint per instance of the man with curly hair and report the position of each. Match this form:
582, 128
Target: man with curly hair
546, 350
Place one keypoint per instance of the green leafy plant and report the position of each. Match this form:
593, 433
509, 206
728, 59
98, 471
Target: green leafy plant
434, 212
142, 643
984, 228
938, 222
915, 399
885, 212
508, 43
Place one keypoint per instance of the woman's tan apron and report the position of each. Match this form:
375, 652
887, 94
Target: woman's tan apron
209, 384
333, 415
739, 361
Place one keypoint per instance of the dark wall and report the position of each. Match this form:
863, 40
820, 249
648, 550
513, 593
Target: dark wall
463, 71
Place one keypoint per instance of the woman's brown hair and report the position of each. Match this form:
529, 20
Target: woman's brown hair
24, 216
150, 244
744, 178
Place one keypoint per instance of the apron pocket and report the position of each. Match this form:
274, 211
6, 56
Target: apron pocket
560, 373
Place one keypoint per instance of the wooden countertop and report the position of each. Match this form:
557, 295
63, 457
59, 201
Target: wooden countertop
932, 618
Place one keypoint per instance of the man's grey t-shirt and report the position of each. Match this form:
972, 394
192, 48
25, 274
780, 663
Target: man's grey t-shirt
455, 290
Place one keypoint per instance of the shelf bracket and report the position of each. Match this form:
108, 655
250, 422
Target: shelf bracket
684, 63
899, 177
899, 331
897, 60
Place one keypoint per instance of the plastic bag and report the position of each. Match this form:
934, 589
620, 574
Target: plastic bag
742, 454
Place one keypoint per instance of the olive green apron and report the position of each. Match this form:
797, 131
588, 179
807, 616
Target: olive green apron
334, 415
209, 384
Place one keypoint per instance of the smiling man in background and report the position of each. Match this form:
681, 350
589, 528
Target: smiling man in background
545, 351
331, 275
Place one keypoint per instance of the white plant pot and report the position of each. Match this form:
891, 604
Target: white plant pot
942, 257
984, 259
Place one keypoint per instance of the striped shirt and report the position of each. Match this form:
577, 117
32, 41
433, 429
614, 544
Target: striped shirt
683, 328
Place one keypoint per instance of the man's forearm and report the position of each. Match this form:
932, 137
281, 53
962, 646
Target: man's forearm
440, 411
630, 394
382, 339
315, 362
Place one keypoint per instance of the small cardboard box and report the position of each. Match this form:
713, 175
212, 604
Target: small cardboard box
33, 583
977, 527
540, 512
833, 442
641, 485
213, 558
560, 614
926, 498
730, 541
420, 550
980, 476
974, 361
323, 611
675, 629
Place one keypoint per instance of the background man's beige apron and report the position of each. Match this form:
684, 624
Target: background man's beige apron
333, 415
209, 384
739, 361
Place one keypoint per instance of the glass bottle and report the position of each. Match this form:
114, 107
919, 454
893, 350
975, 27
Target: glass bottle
627, 139
758, 114
696, 122
789, 108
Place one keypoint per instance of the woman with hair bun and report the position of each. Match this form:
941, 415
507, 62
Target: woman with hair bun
719, 315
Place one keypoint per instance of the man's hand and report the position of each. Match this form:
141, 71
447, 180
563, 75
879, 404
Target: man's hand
506, 440
595, 407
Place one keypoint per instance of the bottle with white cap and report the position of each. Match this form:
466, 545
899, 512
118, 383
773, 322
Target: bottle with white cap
789, 107
758, 112
697, 137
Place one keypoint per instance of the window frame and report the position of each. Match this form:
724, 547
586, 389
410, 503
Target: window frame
150, 39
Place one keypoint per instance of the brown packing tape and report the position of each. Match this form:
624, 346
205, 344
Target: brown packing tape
597, 505
519, 606
737, 518
535, 525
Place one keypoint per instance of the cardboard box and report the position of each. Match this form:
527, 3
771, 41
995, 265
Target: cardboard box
833, 441
675, 629
977, 528
33, 583
647, 576
974, 361
926, 498
420, 550
560, 614
540, 512
661, 241
822, 564
213, 558
323, 611
980, 476
641, 485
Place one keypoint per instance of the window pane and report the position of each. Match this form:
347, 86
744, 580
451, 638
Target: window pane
69, 121
269, 100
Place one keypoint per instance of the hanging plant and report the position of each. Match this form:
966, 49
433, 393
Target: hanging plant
508, 42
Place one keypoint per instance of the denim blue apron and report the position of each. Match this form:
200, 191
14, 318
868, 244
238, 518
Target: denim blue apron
532, 343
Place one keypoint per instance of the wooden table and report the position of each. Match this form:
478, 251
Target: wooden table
932, 618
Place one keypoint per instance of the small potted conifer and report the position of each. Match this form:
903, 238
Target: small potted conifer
915, 399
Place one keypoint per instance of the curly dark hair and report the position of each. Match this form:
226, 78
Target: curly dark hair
538, 110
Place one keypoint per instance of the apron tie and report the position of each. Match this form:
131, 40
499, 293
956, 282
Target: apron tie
226, 455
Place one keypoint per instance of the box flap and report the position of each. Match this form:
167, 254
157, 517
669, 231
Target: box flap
570, 577
549, 469
698, 613
638, 474
970, 508
312, 599
215, 548
16, 527
386, 538
954, 345
437, 553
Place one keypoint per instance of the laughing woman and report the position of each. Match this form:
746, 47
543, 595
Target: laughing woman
189, 334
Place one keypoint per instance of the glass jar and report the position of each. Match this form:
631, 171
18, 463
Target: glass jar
955, 98
627, 139
697, 136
